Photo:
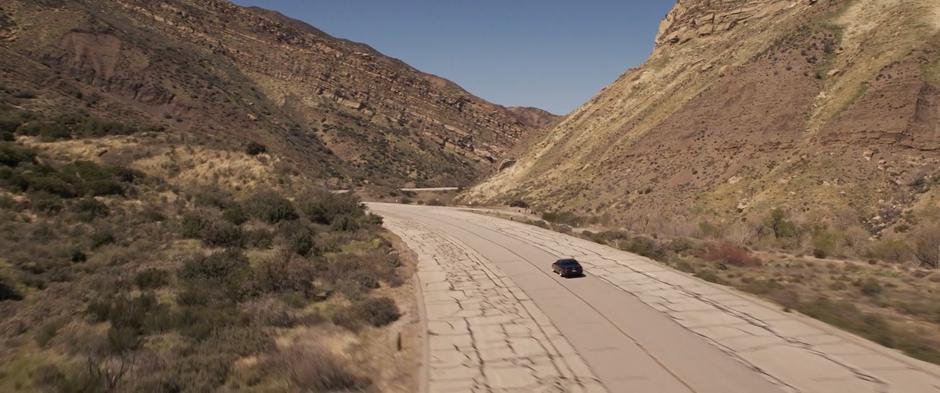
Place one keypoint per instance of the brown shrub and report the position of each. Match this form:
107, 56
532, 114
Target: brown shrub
927, 245
313, 368
889, 250
731, 254
376, 312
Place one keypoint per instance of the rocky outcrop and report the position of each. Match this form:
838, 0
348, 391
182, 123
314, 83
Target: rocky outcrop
746, 105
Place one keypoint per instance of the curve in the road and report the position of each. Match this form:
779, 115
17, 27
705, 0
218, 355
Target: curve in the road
641, 327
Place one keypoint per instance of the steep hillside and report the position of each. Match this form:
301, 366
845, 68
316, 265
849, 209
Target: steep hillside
828, 110
339, 109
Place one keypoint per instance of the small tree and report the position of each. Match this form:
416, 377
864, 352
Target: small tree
781, 226
927, 245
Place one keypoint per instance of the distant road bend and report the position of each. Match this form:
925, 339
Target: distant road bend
499, 320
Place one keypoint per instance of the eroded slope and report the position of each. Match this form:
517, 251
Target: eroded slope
826, 108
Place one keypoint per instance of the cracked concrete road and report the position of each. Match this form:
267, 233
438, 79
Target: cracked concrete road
500, 321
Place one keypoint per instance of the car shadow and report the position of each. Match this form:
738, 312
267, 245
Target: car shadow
578, 276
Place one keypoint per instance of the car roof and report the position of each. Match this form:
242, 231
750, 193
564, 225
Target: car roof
566, 260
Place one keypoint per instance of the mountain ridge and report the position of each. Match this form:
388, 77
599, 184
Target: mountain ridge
356, 115
748, 106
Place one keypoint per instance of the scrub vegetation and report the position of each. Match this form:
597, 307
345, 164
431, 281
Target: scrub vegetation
127, 272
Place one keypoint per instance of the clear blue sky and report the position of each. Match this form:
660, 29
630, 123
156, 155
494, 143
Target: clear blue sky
553, 54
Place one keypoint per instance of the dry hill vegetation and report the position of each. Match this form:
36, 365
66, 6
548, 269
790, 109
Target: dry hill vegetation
137, 258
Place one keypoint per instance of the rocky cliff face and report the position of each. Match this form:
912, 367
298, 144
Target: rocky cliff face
356, 115
824, 108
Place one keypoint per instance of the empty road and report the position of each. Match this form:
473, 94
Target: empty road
499, 320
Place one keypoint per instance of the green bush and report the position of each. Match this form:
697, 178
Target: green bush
255, 148
10, 121
12, 154
298, 237
152, 213
562, 217
92, 127
218, 233
6, 202
218, 266
219, 277
780, 225
644, 246
318, 370
201, 371
375, 312
75, 179
77, 255
609, 237
373, 219
235, 214
345, 223
288, 274
270, 207
93, 179
48, 330
206, 311
213, 197
710, 276
824, 243
890, 250
871, 287
927, 245
152, 279
8, 292
102, 188
49, 183
89, 209
44, 202
357, 274
259, 238
242, 341
193, 224
73, 379
709, 230
101, 239
131, 318
24, 94
76, 125
326, 208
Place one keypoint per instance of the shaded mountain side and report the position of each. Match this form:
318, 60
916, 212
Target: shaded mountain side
337, 108
536, 117
826, 109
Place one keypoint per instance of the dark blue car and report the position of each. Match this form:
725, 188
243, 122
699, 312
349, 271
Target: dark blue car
567, 267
